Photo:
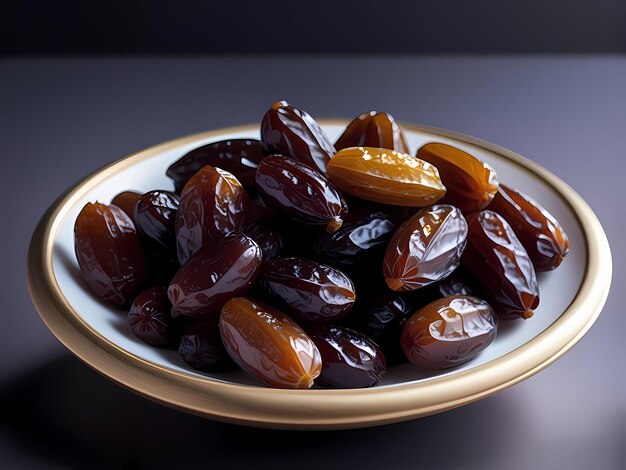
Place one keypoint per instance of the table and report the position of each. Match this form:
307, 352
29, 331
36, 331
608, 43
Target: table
61, 118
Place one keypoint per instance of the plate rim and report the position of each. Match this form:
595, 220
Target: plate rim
315, 409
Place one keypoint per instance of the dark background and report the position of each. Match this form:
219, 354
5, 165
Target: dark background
312, 27
84, 83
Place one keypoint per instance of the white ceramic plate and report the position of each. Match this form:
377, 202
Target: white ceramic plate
571, 298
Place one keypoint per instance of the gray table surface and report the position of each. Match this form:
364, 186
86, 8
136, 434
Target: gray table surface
63, 118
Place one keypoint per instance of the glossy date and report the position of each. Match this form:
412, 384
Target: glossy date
217, 272
240, 157
201, 347
300, 192
310, 291
149, 318
426, 248
471, 183
211, 207
349, 358
543, 237
449, 332
386, 176
268, 345
109, 253
373, 130
290, 131
497, 259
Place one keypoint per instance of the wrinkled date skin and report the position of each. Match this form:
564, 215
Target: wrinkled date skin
268, 345
211, 207
201, 347
361, 233
349, 359
497, 259
155, 216
109, 253
471, 184
289, 131
240, 157
373, 130
310, 291
219, 271
300, 192
386, 176
449, 332
127, 200
426, 248
268, 237
149, 318
543, 237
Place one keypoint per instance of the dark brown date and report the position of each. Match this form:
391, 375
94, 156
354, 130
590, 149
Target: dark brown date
310, 291
219, 271
268, 237
149, 317
349, 359
127, 200
268, 345
373, 130
240, 157
211, 207
543, 237
300, 192
109, 253
361, 233
155, 216
426, 248
470, 182
289, 131
498, 260
201, 347
449, 332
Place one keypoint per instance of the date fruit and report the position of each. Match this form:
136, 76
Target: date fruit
109, 253
300, 192
349, 359
240, 157
268, 237
268, 345
498, 260
386, 176
217, 272
426, 248
543, 237
127, 200
373, 130
361, 233
471, 183
211, 207
155, 216
449, 332
149, 317
201, 347
310, 291
289, 131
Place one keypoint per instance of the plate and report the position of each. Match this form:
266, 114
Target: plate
571, 299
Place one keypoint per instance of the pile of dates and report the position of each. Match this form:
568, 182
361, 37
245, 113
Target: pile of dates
304, 261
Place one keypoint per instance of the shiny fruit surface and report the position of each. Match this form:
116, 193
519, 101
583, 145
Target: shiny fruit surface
349, 358
300, 192
386, 176
426, 248
470, 182
127, 200
373, 130
268, 345
109, 253
290, 131
149, 317
201, 347
543, 237
449, 332
221, 270
498, 260
211, 207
